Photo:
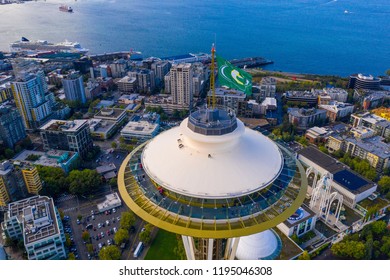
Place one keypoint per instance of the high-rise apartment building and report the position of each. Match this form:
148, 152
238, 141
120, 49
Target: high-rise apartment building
67, 135
29, 95
31, 179
181, 84
74, 87
37, 222
11, 126
160, 69
12, 185
267, 88
145, 79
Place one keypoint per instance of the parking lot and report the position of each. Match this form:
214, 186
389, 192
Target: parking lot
102, 227
107, 158
109, 222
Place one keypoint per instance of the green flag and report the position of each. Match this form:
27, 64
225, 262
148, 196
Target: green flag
233, 77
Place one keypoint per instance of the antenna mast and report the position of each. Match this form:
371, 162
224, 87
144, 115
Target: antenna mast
212, 78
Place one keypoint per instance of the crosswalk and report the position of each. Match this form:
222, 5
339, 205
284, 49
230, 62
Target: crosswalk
69, 209
65, 198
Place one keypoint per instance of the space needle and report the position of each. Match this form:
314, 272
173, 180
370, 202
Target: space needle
212, 180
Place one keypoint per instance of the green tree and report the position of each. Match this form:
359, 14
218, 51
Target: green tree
302, 140
384, 185
295, 238
379, 227
144, 236
113, 182
323, 149
183, 113
54, 180
111, 252
121, 236
85, 236
349, 249
114, 145
127, 220
71, 257
83, 182
388, 72
385, 248
176, 114
304, 256
149, 227
62, 215
89, 248
9, 153
369, 247
179, 250
93, 105
79, 217
370, 174
68, 242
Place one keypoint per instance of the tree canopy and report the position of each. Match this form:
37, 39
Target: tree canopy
111, 252
384, 186
145, 236
83, 182
121, 236
85, 236
127, 220
54, 180
349, 249
304, 256
372, 242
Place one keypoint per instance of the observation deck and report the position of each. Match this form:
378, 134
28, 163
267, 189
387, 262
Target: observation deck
248, 212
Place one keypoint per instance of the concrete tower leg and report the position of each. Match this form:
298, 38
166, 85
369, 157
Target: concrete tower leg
210, 249
231, 250
189, 246
227, 248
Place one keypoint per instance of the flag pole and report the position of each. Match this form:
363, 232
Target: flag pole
212, 78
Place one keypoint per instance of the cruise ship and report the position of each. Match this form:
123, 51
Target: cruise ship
64, 8
25, 45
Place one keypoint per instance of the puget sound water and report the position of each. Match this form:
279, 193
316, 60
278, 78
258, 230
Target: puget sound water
338, 37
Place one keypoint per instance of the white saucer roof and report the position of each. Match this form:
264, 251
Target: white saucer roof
225, 166
257, 246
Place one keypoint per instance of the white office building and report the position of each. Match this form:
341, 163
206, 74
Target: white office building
37, 222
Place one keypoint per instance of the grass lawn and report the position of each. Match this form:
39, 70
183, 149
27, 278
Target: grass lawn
162, 246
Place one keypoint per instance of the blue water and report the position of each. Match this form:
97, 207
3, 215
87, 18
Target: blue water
307, 36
